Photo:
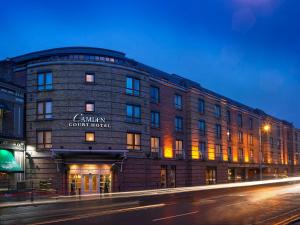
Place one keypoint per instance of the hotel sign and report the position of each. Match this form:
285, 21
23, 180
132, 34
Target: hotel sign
86, 120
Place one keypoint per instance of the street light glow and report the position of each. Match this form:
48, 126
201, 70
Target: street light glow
267, 127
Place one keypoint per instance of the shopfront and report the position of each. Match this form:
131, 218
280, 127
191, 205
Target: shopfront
89, 179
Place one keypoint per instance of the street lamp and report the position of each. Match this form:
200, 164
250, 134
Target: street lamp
266, 128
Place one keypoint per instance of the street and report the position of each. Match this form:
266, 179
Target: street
269, 204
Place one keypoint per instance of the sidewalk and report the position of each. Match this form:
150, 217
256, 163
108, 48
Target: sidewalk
65, 199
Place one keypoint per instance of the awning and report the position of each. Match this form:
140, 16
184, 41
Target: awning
8, 163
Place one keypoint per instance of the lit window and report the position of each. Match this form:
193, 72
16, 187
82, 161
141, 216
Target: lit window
240, 137
89, 136
202, 150
133, 113
44, 139
132, 86
218, 150
45, 81
133, 141
89, 78
178, 101
155, 144
89, 107
154, 92
44, 110
228, 134
179, 149
241, 154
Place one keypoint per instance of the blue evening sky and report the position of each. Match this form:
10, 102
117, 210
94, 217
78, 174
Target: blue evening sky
248, 50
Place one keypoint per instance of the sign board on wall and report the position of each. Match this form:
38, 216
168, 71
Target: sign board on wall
87, 120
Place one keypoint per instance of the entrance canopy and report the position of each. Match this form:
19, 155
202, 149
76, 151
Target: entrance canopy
8, 163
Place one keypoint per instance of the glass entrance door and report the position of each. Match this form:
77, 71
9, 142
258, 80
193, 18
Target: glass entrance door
90, 183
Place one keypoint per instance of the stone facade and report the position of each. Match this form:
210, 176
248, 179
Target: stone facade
72, 165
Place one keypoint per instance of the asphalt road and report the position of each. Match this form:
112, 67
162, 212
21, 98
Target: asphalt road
248, 205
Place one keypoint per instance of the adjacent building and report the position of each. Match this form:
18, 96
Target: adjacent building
12, 145
97, 121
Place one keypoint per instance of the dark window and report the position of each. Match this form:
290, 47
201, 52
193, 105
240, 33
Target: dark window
228, 116
218, 150
178, 101
90, 107
218, 131
202, 149
179, 148
44, 110
44, 81
251, 124
229, 152
228, 135
155, 119
251, 139
211, 175
240, 120
154, 92
241, 154
44, 139
251, 154
178, 123
89, 136
217, 111
132, 86
133, 113
201, 106
272, 142
90, 78
133, 141
202, 127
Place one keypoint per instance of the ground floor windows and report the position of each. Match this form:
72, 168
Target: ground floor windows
168, 176
211, 175
133, 141
44, 139
88, 179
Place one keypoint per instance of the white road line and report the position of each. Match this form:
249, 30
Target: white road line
171, 217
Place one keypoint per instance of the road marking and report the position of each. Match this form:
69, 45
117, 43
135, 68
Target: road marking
99, 214
171, 217
275, 217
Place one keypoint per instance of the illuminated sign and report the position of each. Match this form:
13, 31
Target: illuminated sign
87, 120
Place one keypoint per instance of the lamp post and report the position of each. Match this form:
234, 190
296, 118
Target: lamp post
266, 128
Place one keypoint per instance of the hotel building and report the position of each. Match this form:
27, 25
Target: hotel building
97, 121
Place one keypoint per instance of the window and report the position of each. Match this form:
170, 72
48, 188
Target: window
133, 113
132, 86
241, 154
178, 123
218, 150
133, 141
89, 136
201, 106
240, 137
228, 116
202, 127
90, 107
44, 81
250, 123
44, 110
251, 153
229, 134
218, 131
272, 142
278, 131
178, 101
279, 144
202, 149
44, 139
90, 78
179, 149
251, 139
229, 152
155, 145
240, 120
154, 93
217, 111
155, 119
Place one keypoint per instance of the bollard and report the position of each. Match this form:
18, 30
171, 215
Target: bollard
79, 193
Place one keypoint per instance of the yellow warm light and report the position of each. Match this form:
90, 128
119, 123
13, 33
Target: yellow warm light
168, 152
195, 152
267, 127
211, 154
